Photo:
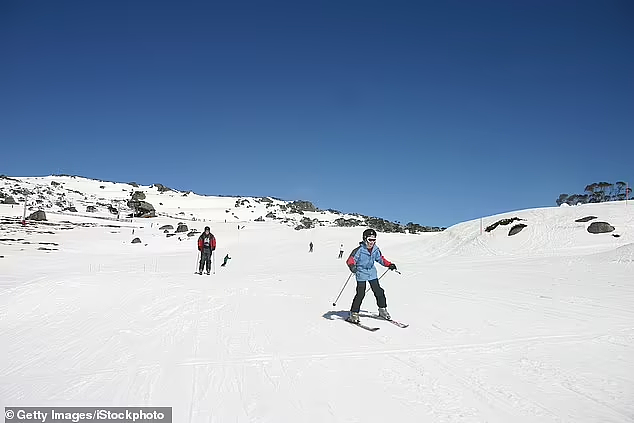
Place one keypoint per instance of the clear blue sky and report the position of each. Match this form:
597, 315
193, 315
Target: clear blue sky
434, 112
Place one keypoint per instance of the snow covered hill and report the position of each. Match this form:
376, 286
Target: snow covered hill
111, 200
537, 326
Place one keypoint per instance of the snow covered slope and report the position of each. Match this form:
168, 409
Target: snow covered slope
534, 327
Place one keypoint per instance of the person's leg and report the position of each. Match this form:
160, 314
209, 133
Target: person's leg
358, 298
208, 261
379, 293
202, 262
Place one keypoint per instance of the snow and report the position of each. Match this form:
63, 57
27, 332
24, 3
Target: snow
535, 327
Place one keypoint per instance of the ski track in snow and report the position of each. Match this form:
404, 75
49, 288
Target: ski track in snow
538, 331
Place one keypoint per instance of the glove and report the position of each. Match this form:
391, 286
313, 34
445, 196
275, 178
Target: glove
392, 266
353, 268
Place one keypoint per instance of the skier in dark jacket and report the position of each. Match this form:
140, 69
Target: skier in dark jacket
206, 246
361, 263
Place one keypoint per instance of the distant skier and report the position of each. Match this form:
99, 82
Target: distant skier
206, 246
225, 260
310, 247
340, 251
361, 263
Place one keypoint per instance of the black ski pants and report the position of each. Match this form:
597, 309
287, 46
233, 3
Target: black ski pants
379, 294
205, 260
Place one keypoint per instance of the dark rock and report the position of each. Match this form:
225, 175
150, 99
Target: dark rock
142, 208
301, 206
38, 215
192, 233
501, 222
585, 219
600, 228
9, 200
170, 227
138, 195
271, 215
162, 188
259, 219
182, 228
516, 229
91, 209
616, 235
136, 241
348, 223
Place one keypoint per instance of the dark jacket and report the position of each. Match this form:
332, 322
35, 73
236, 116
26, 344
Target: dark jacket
206, 243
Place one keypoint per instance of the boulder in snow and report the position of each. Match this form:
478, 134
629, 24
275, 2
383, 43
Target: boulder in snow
516, 229
600, 228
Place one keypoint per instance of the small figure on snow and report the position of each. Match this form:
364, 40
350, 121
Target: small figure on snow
361, 263
206, 246
310, 247
225, 260
340, 251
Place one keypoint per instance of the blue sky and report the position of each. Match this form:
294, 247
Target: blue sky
424, 111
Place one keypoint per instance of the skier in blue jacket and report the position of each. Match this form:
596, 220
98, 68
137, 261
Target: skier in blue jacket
361, 263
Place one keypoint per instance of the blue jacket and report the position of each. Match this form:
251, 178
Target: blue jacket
364, 260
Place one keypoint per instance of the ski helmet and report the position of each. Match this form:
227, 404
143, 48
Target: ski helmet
207, 228
368, 233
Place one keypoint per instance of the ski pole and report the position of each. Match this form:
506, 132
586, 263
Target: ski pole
213, 253
367, 290
344, 287
197, 261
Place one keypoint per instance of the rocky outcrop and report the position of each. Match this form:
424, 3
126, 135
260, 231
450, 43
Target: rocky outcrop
142, 208
501, 222
138, 195
516, 229
600, 228
162, 188
38, 216
8, 200
301, 206
585, 219
136, 241
182, 227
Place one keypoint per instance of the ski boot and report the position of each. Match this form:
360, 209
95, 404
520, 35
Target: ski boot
354, 318
384, 314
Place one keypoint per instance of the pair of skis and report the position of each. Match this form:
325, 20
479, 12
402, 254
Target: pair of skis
373, 329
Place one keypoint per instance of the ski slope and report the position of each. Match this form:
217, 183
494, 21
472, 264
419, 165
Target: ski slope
535, 327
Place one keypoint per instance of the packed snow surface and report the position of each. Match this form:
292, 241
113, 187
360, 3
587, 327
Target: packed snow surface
534, 327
